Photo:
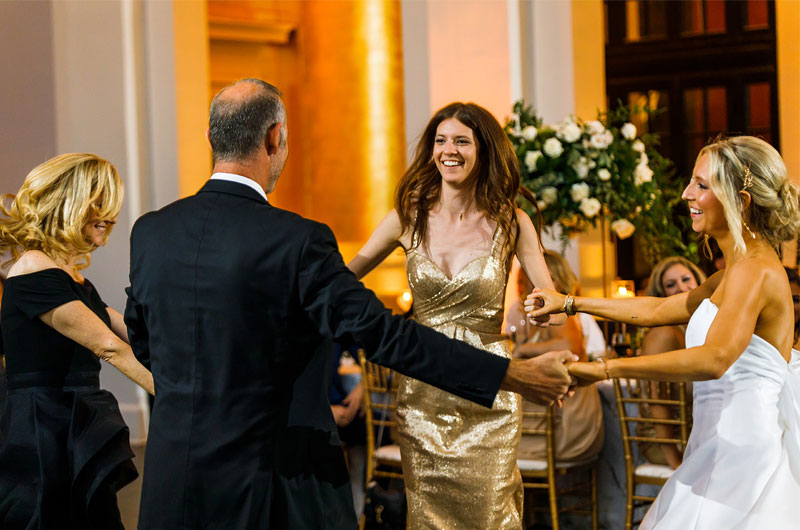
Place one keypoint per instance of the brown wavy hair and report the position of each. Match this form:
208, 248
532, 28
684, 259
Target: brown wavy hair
496, 175
58, 197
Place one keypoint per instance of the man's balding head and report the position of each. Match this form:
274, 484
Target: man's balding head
241, 115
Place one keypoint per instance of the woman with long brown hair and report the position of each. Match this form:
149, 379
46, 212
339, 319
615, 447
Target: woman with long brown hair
456, 219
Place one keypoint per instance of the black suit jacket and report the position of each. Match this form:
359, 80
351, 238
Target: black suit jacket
232, 302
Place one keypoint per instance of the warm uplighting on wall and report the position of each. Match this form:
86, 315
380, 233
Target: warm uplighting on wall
404, 301
623, 289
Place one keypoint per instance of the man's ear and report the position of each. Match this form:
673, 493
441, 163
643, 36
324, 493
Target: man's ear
208, 137
273, 140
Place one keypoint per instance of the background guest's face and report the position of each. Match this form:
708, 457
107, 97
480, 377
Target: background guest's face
677, 279
708, 214
796, 301
454, 151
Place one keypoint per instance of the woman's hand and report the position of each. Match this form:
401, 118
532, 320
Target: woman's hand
543, 302
587, 373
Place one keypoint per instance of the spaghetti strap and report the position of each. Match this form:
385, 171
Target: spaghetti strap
496, 238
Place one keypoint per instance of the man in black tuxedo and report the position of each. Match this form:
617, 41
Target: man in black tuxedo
233, 302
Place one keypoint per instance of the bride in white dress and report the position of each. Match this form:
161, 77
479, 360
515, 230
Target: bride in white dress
741, 469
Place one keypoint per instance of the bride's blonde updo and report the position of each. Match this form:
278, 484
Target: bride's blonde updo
51, 209
773, 212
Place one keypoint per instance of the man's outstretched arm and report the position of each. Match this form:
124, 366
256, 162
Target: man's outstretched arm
343, 309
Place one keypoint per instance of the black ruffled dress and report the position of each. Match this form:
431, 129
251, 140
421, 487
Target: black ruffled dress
64, 448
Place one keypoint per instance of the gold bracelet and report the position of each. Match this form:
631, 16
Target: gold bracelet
605, 366
569, 305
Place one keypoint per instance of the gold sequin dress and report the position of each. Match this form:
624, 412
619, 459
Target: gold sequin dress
459, 458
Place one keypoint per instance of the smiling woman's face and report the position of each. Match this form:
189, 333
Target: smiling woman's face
677, 279
707, 212
95, 229
454, 151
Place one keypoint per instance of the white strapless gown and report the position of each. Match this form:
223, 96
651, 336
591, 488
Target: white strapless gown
741, 469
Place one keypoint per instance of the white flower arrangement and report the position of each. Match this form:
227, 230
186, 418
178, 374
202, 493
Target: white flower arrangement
580, 172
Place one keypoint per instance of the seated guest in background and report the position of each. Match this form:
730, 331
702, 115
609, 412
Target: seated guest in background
579, 423
670, 276
794, 283
65, 450
347, 396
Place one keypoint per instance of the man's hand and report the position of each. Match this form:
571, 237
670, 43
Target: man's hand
543, 379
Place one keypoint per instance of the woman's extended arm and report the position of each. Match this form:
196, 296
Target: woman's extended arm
530, 256
642, 310
742, 301
118, 324
381, 243
77, 322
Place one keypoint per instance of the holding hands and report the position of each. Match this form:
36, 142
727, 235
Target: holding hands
543, 379
542, 303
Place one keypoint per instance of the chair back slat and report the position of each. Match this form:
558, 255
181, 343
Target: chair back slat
380, 390
635, 397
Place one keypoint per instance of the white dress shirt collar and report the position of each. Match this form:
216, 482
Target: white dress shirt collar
230, 177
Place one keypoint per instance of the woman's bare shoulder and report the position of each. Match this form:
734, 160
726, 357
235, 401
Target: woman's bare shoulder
31, 261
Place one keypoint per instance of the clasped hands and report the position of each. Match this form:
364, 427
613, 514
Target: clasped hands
542, 303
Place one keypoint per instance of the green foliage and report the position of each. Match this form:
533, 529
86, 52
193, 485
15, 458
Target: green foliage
581, 172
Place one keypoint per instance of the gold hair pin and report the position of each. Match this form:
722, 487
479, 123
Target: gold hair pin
748, 178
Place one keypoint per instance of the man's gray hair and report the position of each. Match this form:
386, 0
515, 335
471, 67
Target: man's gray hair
237, 127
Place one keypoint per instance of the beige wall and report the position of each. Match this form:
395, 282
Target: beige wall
27, 111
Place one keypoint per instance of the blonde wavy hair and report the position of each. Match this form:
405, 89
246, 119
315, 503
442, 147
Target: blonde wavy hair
51, 209
564, 280
773, 210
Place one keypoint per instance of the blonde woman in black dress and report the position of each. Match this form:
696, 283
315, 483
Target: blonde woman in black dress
64, 448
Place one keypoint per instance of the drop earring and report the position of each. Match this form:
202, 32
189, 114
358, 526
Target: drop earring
748, 230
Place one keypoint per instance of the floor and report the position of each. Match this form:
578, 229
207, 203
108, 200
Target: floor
128, 497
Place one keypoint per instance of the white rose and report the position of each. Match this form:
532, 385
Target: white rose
541, 205
569, 131
602, 140
590, 207
530, 159
623, 228
603, 174
638, 145
643, 159
582, 167
579, 191
549, 195
642, 174
529, 133
595, 127
552, 148
628, 131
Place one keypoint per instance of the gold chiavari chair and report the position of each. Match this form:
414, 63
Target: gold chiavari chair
542, 474
380, 389
638, 427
